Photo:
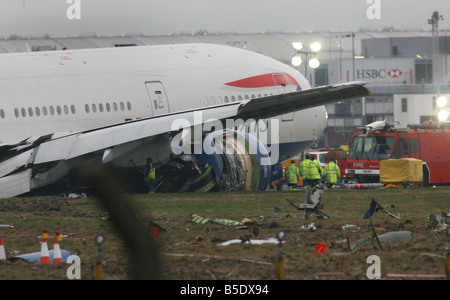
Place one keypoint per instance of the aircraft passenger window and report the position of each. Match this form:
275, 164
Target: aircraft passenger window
239, 98
52, 110
226, 99
72, 108
44, 110
58, 109
108, 107
129, 105
66, 109
16, 112
233, 99
2, 113
100, 107
246, 97
86, 107
94, 108
30, 111
38, 111
122, 106
219, 100
115, 106
213, 101
205, 101
24, 112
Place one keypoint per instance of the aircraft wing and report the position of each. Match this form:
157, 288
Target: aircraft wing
113, 141
280, 104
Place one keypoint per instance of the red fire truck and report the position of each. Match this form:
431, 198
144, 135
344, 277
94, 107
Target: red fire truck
380, 140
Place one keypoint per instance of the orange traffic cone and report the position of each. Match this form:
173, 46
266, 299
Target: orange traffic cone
45, 256
57, 257
2, 250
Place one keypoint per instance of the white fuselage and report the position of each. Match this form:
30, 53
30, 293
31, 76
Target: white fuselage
71, 91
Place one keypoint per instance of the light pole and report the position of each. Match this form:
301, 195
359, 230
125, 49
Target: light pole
434, 22
308, 54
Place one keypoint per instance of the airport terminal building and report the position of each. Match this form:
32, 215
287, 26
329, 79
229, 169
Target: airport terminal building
407, 71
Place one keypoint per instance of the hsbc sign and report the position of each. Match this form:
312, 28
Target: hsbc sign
378, 73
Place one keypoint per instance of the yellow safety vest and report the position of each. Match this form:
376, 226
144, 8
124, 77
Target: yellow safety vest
314, 170
152, 172
332, 172
304, 168
291, 174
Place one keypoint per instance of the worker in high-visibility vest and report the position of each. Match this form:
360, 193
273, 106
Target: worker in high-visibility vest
332, 173
150, 176
292, 175
315, 172
304, 170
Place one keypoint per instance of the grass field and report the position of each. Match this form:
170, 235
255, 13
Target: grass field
188, 250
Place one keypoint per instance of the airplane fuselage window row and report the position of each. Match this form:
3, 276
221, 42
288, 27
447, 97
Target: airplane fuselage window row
105, 107
212, 100
66, 110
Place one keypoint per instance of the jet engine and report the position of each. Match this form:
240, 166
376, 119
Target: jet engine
230, 160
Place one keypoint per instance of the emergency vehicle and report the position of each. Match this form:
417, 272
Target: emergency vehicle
380, 140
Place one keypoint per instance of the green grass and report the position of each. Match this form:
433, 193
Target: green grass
182, 257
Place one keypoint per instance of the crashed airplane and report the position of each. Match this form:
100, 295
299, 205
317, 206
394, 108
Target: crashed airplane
62, 110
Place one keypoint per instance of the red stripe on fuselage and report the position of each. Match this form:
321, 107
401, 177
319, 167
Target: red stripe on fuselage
266, 80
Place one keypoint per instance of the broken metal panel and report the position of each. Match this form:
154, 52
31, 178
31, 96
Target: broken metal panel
15, 184
15, 162
396, 236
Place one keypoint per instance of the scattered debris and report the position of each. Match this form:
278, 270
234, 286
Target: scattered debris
312, 203
249, 241
36, 256
309, 227
433, 255
75, 195
438, 221
375, 207
350, 227
396, 236
200, 220
6, 226
356, 246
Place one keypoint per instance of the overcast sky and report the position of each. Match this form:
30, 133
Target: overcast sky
103, 17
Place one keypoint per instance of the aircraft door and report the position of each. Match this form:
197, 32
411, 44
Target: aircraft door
158, 97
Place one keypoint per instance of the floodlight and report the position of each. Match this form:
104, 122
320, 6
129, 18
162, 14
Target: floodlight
314, 63
297, 46
316, 46
443, 115
296, 60
441, 101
